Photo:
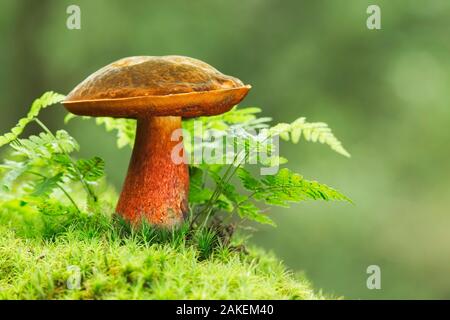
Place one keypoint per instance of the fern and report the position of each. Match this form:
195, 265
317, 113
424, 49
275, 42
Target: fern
276, 190
43, 163
125, 128
244, 208
310, 131
47, 99
45, 186
236, 118
90, 169
45, 145
14, 169
287, 186
228, 123
199, 194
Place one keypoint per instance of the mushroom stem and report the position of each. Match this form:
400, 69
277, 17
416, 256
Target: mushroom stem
156, 188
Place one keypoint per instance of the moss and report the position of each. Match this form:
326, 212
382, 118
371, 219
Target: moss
35, 260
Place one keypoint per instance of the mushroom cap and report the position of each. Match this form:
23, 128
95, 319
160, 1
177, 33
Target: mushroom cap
156, 86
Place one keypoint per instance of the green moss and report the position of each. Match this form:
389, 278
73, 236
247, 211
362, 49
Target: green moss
37, 250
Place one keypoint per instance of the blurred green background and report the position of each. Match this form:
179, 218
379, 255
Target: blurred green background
385, 93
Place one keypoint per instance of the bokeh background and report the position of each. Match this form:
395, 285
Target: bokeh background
385, 93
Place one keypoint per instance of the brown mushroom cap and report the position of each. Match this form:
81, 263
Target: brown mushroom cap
156, 86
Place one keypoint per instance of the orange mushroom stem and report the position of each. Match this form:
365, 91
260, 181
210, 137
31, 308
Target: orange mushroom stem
156, 188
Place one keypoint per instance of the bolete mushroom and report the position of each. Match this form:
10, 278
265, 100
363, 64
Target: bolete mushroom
158, 92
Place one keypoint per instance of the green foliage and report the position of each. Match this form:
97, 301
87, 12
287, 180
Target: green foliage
206, 243
125, 128
238, 126
41, 170
44, 145
42, 163
310, 131
212, 189
90, 169
47, 99
236, 118
39, 246
45, 185
285, 187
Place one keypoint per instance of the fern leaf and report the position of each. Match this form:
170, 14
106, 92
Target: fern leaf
286, 186
65, 143
47, 99
47, 185
198, 194
310, 131
248, 181
14, 170
45, 145
40, 146
251, 212
91, 169
244, 208
235, 118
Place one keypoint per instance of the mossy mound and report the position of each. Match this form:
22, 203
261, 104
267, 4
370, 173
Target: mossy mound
40, 253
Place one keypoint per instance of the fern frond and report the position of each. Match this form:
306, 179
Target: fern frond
245, 118
90, 169
65, 143
47, 99
251, 212
244, 208
310, 131
287, 186
14, 169
198, 194
47, 185
45, 145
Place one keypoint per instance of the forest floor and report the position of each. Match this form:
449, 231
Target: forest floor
46, 254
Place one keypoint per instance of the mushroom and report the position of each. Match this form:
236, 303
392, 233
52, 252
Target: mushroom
158, 92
